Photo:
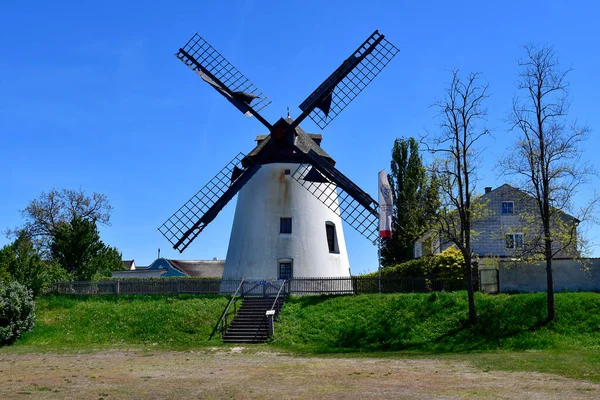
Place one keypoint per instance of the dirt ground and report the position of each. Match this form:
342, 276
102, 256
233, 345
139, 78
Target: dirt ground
239, 374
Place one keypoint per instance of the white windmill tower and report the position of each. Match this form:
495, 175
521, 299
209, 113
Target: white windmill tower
291, 201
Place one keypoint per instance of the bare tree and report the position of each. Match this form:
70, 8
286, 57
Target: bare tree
545, 159
44, 215
456, 157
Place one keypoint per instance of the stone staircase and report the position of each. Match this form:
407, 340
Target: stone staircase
250, 323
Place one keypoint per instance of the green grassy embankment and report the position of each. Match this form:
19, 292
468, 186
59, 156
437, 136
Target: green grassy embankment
435, 322
421, 322
79, 323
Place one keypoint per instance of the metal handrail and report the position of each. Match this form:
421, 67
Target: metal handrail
226, 309
277, 297
270, 314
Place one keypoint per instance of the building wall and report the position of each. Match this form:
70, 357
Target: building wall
569, 275
490, 231
256, 245
139, 273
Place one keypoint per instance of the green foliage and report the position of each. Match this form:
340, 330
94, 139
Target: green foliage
17, 311
60, 241
448, 267
437, 322
420, 267
22, 263
77, 247
56, 273
4, 274
74, 246
107, 260
161, 320
415, 198
44, 215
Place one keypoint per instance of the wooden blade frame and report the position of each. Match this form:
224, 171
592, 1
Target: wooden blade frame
347, 81
219, 73
348, 201
191, 219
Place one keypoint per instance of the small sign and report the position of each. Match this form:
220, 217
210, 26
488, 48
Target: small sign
270, 312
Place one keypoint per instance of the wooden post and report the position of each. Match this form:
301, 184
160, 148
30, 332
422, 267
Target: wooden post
269, 315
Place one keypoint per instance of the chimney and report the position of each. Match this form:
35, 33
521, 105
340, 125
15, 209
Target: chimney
159, 252
488, 189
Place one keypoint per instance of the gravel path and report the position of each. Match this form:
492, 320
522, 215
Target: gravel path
238, 374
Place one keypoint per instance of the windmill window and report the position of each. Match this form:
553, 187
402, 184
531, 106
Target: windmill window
287, 171
508, 207
332, 244
285, 270
514, 241
285, 225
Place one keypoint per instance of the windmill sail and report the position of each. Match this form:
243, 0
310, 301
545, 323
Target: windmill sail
351, 203
219, 73
191, 219
286, 142
348, 80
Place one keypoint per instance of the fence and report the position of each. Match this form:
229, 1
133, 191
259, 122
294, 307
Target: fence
264, 288
569, 275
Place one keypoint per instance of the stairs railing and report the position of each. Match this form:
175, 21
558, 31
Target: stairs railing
270, 314
223, 319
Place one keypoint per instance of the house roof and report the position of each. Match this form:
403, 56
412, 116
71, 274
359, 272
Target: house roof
128, 263
209, 268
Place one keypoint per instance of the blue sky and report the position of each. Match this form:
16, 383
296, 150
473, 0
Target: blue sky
91, 95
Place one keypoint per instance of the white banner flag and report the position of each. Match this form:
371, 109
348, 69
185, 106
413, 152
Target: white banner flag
386, 206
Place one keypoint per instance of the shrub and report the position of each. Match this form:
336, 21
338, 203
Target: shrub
447, 268
24, 264
450, 269
17, 311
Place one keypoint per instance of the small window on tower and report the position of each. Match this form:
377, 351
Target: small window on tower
285, 225
287, 171
331, 239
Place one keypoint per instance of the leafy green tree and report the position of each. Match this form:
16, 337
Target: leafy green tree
4, 274
416, 200
46, 214
76, 245
107, 260
24, 264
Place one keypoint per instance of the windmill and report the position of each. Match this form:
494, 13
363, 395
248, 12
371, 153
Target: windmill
292, 199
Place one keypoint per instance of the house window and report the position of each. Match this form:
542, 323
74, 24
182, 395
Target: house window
285, 225
285, 270
514, 241
507, 207
331, 239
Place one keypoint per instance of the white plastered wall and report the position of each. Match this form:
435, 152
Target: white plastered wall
256, 244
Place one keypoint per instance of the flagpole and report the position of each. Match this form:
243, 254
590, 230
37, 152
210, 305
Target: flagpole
379, 261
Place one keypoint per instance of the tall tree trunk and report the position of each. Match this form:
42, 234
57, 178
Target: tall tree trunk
549, 280
470, 291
